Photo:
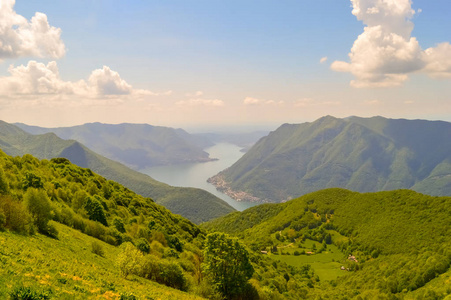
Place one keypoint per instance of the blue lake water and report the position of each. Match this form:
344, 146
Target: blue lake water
196, 174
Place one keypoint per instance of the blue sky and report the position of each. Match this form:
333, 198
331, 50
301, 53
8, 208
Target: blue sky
222, 63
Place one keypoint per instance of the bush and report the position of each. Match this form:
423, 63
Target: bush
17, 218
143, 245
38, 205
164, 271
27, 293
129, 260
2, 220
172, 275
51, 231
97, 248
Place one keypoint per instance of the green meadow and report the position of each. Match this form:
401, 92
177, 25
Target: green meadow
66, 268
325, 264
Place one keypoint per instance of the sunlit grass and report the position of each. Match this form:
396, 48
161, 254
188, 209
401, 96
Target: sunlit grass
68, 268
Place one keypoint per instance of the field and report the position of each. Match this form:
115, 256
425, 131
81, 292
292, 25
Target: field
67, 269
326, 264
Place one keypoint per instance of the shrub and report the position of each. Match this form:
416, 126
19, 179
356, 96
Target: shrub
51, 231
128, 296
143, 245
17, 218
38, 205
97, 248
129, 260
2, 220
27, 293
171, 274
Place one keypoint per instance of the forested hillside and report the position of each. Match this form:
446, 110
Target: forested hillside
365, 155
385, 245
68, 233
194, 204
138, 146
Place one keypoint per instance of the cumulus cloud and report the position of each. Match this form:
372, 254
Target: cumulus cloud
21, 38
323, 59
38, 79
255, 101
386, 53
201, 102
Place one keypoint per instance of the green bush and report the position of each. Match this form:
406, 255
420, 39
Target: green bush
27, 293
38, 205
143, 245
97, 248
52, 231
2, 220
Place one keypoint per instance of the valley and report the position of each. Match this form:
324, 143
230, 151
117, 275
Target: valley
197, 174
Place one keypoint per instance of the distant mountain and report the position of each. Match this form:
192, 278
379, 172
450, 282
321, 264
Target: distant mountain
136, 145
195, 204
361, 154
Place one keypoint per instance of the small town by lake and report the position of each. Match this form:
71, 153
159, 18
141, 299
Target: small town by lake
196, 174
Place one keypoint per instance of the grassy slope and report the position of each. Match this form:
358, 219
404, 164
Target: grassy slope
360, 154
195, 204
409, 230
69, 269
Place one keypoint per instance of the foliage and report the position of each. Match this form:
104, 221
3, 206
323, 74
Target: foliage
396, 252
27, 293
360, 154
195, 204
97, 248
38, 205
227, 264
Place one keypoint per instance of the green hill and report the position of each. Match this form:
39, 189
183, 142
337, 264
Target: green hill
360, 154
392, 245
195, 204
68, 233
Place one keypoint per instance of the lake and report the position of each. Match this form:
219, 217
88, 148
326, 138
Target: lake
196, 174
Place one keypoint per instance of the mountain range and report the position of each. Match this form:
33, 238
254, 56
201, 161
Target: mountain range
138, 146
360, 154
195, 204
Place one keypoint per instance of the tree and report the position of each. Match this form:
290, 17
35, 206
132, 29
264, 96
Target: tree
227, 264
38, 205
95, 211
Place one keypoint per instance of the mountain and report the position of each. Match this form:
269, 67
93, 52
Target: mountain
195, 204
360, 154
384, 245
136, 145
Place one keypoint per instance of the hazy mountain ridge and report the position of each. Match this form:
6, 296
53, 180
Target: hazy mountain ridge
195, 204
135, 145
361, 154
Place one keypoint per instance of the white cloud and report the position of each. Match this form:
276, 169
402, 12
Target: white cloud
255, 101
201, 102
323, 59
40, 80
20, 38
108, 82
385, 53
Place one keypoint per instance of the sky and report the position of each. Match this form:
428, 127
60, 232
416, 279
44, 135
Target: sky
211, 64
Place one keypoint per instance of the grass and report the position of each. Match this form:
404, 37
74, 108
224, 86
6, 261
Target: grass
326, 264
67, 269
